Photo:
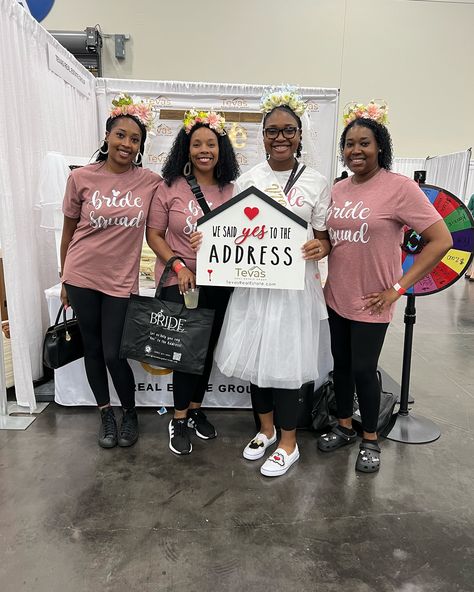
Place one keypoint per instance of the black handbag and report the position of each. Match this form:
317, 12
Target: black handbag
325, 409
62, 343
166, 334
324, 413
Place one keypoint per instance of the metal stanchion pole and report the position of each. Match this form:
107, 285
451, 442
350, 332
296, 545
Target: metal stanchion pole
407, 427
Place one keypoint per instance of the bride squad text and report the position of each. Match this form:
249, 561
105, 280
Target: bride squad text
99, 201
349, 211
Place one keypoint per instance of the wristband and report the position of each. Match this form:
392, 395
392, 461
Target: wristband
399, 289
178, 266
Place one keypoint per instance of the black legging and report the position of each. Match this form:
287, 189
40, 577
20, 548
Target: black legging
356, 348
191, 388
283, 401
101, 319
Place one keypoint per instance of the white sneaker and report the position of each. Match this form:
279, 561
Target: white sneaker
279, 462
255, 449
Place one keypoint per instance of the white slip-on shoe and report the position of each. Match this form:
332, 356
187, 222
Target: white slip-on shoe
255, 449
279, 462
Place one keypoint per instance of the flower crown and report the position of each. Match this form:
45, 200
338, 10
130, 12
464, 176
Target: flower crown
216, 121
377, 112
283, 96
126, 105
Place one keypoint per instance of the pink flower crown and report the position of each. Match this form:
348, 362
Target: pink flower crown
215, 121
377, 112
126, 105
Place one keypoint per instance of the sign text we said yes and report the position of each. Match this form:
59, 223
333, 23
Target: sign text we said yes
251, 241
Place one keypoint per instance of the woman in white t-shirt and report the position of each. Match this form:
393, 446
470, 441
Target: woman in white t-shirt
272, 337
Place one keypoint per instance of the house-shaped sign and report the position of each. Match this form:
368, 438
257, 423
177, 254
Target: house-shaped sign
251, 241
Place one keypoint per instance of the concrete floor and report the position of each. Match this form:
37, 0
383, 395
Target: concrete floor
78, 518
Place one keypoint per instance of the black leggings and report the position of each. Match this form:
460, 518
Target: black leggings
191, 388
283, 401
356, 348
101, 319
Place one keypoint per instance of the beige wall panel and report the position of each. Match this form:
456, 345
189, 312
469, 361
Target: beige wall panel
418, 57
254, 41
415, 55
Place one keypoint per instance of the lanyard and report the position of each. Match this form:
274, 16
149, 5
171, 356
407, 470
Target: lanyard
293, 177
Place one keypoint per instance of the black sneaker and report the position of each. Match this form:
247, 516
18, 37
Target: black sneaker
198, 421
108, 428
129, 428
180, 442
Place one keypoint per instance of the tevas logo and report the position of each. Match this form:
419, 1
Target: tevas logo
164, 130
160, 102
241, 159
254, 272
170, 323
157, 158
312, 106
237, 103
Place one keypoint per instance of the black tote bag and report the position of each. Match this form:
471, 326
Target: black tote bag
166, 334
62, 342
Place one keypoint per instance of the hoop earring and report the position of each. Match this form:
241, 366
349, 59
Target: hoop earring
138, 162
107, 149
187, 169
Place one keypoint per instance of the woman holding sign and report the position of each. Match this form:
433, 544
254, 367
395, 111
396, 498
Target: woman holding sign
198, 177
272, 337
365, 223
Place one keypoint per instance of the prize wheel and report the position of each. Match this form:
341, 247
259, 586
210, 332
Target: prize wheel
453, 265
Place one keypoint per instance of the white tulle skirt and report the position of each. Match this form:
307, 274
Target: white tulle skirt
275, 338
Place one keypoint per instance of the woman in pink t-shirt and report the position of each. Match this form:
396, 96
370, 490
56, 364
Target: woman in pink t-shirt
105, 208
202, 155
365, 222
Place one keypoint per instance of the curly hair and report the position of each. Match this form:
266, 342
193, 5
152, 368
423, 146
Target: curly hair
382, 138
109, 125
225, 171
298, 121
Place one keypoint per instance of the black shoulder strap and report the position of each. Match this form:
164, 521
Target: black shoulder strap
196, 189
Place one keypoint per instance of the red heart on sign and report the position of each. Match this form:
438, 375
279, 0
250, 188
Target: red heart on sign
251, 212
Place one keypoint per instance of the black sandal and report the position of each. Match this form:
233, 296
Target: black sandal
368, 459
335, 439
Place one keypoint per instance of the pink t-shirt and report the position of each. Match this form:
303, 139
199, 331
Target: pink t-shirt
365, 223
104, 253
175, 210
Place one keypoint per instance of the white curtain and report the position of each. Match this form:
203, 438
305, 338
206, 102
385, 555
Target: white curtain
407, 166
403, 166
470, 183
39, 112
449, 171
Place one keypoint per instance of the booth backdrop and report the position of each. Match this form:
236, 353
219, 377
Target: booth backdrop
240, 103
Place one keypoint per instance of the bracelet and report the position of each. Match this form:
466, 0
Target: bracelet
178, 266
399, 289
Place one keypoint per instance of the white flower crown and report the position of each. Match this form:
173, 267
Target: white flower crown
283, 96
